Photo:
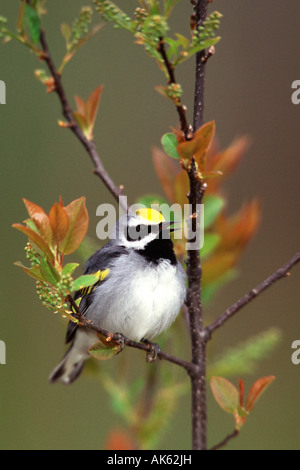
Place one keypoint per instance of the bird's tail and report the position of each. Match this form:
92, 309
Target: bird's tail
71, 366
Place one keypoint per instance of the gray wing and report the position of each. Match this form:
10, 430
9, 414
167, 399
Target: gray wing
99, 261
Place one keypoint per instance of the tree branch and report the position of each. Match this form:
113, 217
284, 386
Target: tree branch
200, 9
194, 303
276, 276
194, 270
68, 114
185, 127
225, 441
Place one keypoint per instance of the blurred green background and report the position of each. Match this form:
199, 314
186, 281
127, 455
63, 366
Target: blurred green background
248, 92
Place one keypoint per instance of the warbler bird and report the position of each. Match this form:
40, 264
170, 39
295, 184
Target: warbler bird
140, 291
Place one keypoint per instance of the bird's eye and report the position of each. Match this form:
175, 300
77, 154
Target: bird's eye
138, 232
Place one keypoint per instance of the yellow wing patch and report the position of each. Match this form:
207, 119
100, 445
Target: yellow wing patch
151, 215
101, 276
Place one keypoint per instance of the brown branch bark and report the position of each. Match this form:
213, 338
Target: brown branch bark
241, 303
194, 270
225, 441
185, 127
67, 112
194, 303
200, 9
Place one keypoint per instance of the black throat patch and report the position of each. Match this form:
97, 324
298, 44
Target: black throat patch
159, 249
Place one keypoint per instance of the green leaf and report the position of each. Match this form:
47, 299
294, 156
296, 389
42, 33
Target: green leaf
36, 239
69, 268
183, 41
244, 358
203, 45
225, 394
87, 247
103, 352
169, 143
111, 12
213, 205
211, 241
173, 47
33, 22
169, 5
86, 280
66, 32
31, 225
49, 272
154, 7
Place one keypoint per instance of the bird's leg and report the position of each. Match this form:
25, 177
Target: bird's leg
153, 352
117, 338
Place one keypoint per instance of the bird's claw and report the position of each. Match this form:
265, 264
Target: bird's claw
119, 339
153, 352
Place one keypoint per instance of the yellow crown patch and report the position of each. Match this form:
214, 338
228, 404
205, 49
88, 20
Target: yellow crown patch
151, 215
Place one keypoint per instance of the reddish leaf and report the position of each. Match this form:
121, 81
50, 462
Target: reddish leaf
166, 170
237, 230
78, 226
256, 390
199, 145
37, 240
181, 188
225, 393
59, 222
92, 106
87, 112
217, 265
81, 108
241, 392
164, 91
40, 219
228, 160
82, 122
119, 440
33, 272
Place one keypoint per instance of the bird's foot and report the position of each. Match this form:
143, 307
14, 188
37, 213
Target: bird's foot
153, 352
118, 339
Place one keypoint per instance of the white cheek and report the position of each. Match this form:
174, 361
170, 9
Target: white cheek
139, 244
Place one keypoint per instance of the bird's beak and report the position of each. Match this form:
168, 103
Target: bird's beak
169, 226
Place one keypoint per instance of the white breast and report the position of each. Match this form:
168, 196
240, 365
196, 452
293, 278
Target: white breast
139, 301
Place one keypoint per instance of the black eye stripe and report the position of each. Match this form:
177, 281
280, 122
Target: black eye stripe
136, 233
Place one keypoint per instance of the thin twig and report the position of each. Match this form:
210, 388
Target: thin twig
225, 441
210, 53
185, 127
276, 276
89, 145
200, 9
115, 337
